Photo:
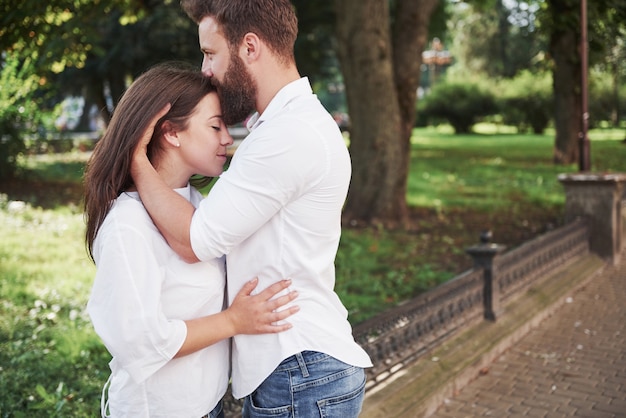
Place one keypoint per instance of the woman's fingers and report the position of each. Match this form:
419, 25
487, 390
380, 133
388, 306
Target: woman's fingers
285, 313
266, 311
274, 329
275, 319
274, 303
248, 287
147, 134
282, 300
271, 291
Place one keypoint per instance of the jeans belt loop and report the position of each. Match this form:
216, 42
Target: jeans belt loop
302, 364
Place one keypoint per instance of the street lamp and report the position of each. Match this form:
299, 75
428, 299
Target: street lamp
583, 136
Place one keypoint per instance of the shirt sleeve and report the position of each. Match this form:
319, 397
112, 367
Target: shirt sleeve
264, 176
125, 306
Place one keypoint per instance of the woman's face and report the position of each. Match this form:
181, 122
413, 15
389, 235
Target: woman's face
203, 144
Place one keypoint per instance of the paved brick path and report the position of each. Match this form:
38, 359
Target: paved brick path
572, 365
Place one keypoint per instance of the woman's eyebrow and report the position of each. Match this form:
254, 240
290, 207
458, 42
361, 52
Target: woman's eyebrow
215, 117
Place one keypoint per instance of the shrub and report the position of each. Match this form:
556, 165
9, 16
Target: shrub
19, 111
527, 102
11, 145
461, 104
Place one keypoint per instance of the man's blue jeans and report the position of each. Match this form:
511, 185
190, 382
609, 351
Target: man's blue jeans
308, 385
218, 411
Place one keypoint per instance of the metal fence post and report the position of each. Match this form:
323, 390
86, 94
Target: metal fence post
484, 255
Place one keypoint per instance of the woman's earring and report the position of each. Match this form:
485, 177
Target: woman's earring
178, 145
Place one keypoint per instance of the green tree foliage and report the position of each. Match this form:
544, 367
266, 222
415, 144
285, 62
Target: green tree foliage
126, 47
88, 47
55, 33
612, 70
495, 40
85, 48
315, 46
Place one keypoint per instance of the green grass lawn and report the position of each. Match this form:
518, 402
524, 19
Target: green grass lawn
483, 172
52, 363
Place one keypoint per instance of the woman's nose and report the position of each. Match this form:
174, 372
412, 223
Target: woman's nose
227, 138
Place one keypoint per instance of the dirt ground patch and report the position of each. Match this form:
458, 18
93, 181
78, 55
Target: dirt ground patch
457, 229
41, 193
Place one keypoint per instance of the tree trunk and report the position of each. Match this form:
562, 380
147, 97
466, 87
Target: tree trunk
92, 93
100, 99
567, 77
381, 117
410, 37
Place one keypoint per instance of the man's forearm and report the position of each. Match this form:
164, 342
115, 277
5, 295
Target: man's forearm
170, 212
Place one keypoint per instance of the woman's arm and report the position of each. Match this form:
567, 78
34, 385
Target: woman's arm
170, 212
248, 314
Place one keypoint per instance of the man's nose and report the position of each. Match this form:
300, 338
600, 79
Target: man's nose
206, 68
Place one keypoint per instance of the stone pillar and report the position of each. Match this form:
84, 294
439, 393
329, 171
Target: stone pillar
484, 255
597, 197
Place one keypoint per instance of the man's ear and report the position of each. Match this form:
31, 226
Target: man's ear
170, 134
250, 47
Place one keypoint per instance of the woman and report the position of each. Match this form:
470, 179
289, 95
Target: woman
162, 319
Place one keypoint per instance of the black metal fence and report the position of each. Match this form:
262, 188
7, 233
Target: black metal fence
399, 336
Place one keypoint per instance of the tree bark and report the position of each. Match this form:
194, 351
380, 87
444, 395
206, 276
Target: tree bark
381, 83
410, 37
567, 78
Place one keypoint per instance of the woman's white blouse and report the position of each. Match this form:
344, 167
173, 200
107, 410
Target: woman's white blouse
141, 295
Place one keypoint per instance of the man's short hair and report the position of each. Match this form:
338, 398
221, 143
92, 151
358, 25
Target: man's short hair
273, 21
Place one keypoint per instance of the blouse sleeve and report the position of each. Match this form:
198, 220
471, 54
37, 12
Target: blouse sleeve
125, 305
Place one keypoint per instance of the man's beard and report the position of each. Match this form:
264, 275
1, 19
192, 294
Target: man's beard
237, 92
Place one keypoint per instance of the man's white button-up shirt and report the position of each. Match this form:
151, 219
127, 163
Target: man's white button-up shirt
276, 213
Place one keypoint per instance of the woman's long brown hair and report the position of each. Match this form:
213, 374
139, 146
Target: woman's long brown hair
107, 173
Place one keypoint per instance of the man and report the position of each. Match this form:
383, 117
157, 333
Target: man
276, 212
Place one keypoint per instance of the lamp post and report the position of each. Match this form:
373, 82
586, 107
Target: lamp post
584, 164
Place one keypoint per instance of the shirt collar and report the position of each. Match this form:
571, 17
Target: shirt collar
289, 92
183, 191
